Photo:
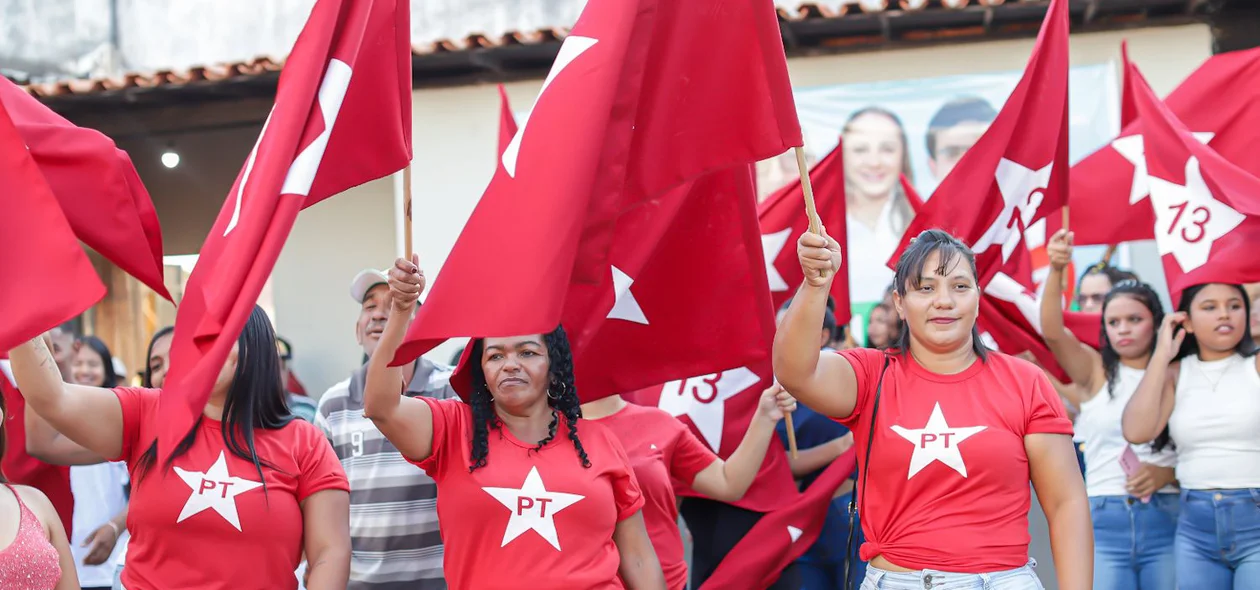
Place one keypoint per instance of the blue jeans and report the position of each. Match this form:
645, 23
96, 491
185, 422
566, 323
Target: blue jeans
1218, 539
822, 565
1020, 578
1133, 542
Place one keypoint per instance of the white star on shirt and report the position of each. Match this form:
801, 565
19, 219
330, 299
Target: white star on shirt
703, 399
771, 246
625, 306
215, 490
1023, 190
1133, 148
533, 508
937, 442
1189, 219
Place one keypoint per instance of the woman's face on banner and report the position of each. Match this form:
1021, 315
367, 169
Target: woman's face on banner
873, 153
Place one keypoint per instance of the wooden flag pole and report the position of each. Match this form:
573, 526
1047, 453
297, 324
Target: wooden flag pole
1111, 251
407, 211
815, 226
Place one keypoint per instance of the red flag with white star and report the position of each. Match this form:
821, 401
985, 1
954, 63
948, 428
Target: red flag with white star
783, 534
1219, 103
1207, 210
613, 185
783, 220
1016, 173
718, 407
342, 117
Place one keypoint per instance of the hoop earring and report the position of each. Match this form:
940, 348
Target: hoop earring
563, 390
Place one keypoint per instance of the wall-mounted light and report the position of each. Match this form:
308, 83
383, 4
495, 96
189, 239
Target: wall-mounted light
170, 157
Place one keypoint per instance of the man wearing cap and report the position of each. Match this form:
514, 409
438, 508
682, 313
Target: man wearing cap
394, 534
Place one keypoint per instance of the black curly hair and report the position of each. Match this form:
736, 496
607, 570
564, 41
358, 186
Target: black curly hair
1142, 293
565, 403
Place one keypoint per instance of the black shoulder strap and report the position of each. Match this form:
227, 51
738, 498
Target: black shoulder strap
859, 491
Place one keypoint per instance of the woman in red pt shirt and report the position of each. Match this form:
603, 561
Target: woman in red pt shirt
246, 492
949, 433
660, 448
523, 500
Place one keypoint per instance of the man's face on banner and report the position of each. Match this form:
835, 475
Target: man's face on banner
951, 143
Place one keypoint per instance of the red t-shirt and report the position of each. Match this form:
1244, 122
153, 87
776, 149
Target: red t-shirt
529, 518
23, 469
660, 446
948, 477
207, 523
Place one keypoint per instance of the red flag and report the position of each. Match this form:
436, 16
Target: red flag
1204, 205
1010, 313
718, 407
341, 118
1017, 172
507, 121
96, 185
1128, 101
45, 277
912, 196
782, 535
638, 103
782, 218
1219, 102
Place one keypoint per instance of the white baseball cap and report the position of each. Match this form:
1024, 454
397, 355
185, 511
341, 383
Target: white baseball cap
364, 281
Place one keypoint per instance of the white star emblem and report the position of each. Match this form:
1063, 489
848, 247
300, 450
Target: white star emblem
794, 532
1189, 219
1133, 148
572, 48
1023, 190
703, 399
937, 442
533, 508
1006, 288
625, 307
215, 490
771, 246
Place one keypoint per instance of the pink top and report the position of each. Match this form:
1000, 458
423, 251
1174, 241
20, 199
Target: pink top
30, 562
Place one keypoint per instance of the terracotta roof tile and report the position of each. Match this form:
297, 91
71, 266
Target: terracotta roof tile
263, 65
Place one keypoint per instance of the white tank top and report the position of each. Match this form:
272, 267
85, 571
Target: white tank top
1098, 425
1216, 424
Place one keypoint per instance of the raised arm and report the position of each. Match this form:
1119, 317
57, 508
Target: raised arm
46, 444
1082, 364
1147, 412
824, 382
89, 416
406, 422
727, 481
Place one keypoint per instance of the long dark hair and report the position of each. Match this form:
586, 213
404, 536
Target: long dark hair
1145, 295
146, 380
107, 359
255, 400
1190, 345
564, 403
913, 265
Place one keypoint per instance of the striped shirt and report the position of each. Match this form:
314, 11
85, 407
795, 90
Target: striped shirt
394, 536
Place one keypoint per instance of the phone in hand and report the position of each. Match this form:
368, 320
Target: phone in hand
1130, 463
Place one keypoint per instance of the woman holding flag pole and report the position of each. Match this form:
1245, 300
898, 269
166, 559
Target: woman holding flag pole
246, 492
526, 500
950, 434
1132, 492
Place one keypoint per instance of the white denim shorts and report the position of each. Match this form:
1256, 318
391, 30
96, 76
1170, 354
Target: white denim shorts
1020, 578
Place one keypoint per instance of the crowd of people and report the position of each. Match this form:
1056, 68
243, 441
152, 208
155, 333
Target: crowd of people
951, 437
